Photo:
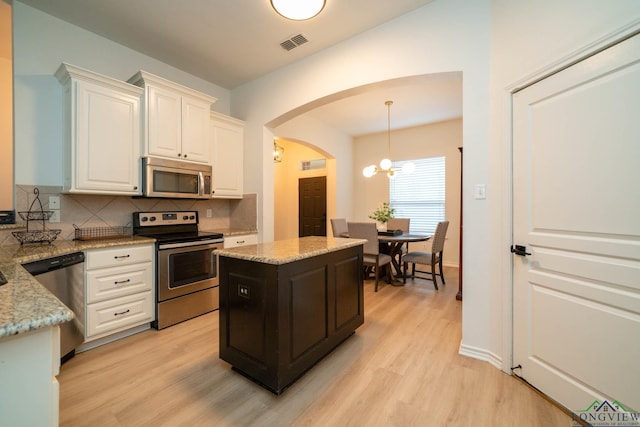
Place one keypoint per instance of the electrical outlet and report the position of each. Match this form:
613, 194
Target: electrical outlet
54, 202
209, 213
56, 215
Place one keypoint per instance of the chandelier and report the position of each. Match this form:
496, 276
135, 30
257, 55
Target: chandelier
386, 164
298, 10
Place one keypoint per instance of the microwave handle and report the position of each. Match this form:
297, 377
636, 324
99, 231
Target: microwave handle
201, 183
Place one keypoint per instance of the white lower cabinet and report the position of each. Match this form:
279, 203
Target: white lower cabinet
29, 389
240, 240
120, 291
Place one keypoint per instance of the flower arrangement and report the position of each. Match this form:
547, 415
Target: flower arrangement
383, 213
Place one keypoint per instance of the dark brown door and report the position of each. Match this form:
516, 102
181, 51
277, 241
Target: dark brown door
312, 206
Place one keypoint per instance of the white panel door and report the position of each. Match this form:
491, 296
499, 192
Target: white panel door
227, 157
576, 195
108, 139
164, 123
196, 145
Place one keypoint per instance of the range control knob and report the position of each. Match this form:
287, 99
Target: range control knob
185, 217
192, 217
143, 219
153, 218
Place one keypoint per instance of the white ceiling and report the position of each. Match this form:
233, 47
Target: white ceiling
231, 42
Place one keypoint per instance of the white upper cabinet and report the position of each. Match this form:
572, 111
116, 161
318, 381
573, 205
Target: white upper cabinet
227, 136
102, 133
176, 119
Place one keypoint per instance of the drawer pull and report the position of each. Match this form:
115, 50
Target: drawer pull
121, 256
122, 281
239, 242
123, 312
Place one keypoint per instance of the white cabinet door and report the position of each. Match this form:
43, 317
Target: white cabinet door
227, 136
195, 130
177, 119
108, 139
164, 122
102, 119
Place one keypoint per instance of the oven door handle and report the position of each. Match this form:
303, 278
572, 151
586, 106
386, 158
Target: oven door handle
189, 244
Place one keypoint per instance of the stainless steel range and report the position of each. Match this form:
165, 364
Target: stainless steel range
186, 264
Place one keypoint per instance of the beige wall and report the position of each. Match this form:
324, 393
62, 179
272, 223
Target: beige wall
286, 176
6, 109
438, 139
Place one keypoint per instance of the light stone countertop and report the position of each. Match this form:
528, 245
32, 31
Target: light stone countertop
25, 304
233, 231
286, 251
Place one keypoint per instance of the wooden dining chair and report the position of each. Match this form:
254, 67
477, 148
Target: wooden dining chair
372, 258
339, 227
432, 258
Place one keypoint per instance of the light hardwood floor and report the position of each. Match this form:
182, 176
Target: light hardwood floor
401, 368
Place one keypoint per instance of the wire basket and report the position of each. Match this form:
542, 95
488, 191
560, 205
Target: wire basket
40, 216
43, 236
99, 233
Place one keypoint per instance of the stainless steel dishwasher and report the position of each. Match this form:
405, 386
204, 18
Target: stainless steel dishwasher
63, 276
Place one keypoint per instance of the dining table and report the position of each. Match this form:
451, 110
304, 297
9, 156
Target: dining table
392, 245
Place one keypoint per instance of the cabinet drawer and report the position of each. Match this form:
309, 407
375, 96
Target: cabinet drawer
114, 282
122, 255
111, 316
240, 240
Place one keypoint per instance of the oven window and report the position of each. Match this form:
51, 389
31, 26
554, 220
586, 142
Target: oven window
191, 266
175, 182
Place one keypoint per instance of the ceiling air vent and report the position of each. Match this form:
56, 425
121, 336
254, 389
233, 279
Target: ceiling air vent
293, 42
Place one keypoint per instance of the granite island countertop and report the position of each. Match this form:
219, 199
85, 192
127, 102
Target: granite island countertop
25, 304
285, 251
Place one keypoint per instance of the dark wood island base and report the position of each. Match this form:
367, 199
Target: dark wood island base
280, 315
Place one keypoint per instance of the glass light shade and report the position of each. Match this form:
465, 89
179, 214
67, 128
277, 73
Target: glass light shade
369, 171
298, 10
385, 164
408, 167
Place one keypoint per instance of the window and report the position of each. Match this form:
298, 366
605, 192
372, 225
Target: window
419, 195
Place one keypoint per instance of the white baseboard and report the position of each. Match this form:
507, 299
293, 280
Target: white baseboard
481, 354
111, 338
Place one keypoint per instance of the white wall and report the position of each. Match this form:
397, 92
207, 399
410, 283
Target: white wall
41, 44
436, 139
526, 38
443, 36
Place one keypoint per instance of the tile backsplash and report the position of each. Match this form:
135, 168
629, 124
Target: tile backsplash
108, 211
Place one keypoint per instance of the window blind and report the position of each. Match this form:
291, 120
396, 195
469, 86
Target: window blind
419, 195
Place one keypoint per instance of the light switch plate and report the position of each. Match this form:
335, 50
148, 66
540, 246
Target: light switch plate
480, 192
54, 202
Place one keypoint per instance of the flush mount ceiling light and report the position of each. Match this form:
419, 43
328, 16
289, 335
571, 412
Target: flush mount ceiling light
298, 10
385, 164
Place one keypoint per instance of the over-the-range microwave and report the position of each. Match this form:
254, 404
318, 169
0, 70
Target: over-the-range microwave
176, 179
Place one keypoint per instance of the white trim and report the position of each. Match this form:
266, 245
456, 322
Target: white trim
480, 354
576, 56
111, 338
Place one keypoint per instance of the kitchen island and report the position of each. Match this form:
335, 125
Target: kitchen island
285, 305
